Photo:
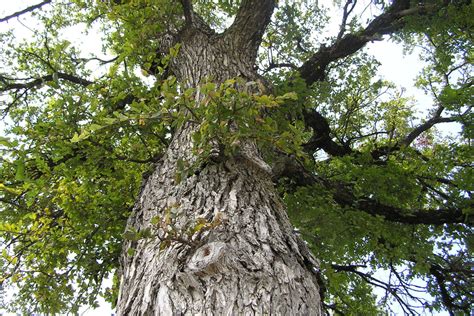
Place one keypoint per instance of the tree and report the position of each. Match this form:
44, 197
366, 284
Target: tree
174, 161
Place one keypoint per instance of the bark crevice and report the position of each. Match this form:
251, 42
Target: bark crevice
255, 230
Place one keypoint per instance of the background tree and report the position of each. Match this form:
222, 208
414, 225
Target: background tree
233, 112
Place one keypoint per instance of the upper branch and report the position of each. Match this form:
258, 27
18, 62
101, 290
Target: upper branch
250, 23
314, 69
322, 138
424, 127
417, 131
188, 10
345, 16
29, 9
192, 19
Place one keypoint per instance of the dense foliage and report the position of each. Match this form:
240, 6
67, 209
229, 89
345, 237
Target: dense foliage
381, 195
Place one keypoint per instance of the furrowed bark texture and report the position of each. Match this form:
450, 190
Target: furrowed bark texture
249, 261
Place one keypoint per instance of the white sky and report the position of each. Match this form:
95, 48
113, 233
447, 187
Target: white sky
395, 67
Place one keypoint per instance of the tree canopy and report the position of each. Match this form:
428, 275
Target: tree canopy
379, 192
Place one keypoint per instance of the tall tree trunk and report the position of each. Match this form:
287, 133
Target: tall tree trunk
243, 257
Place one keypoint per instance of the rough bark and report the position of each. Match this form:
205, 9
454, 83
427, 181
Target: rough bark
249, 263
247, 259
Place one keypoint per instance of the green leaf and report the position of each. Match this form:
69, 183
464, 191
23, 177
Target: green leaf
20, 170
131, 251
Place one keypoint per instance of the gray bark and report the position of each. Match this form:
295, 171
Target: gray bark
247, 260
250, 263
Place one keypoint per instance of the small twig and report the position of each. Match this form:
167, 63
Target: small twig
274, 65
347, 12
101, 61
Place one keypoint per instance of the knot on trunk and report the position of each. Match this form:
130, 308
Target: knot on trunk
208, 259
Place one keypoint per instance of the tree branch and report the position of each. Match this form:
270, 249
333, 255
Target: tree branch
272, 65
343, 195
417, 131
424, 127
99, 60
187, 10
449, 273
314, 69
398, 292
321, 138
192, 19
250, 23
40, 81
29, 9
345, 15
448, 215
